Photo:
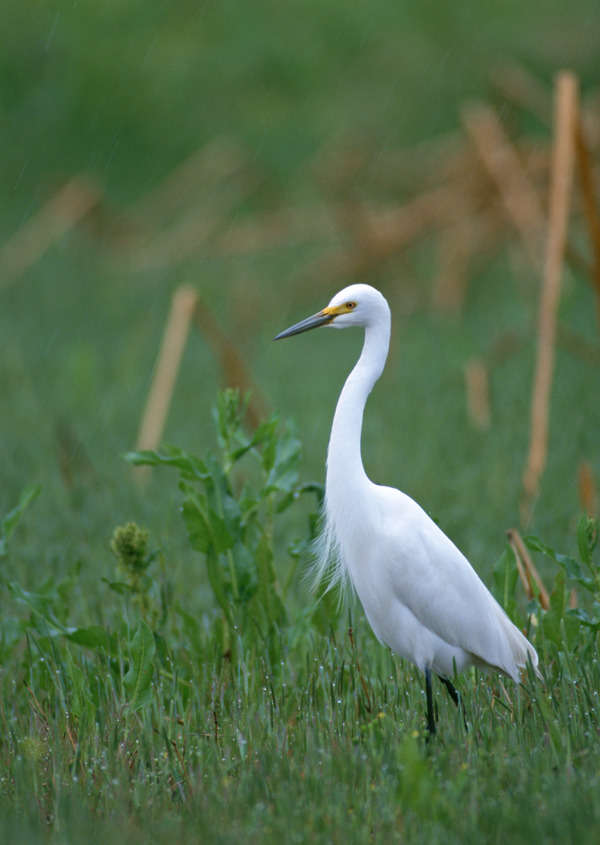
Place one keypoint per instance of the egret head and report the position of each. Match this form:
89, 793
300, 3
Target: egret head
356, 305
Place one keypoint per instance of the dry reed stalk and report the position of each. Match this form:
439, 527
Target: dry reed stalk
378, 235
592, 216
199, 174
183, 305
560, 193
232, 366
393, 229
525, 564
478, 394
61, 213
587, 488
519, 86
524, 574
577, 345
501, 161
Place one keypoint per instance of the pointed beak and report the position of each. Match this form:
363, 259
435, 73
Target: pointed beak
323, 318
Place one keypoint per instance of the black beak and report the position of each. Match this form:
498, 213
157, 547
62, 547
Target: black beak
323, 318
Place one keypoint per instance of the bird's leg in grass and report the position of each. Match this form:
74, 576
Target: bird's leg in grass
452, 692
429, 693
456, 698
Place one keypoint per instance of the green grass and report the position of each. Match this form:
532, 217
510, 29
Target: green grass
311, 747
287, 731
264, 721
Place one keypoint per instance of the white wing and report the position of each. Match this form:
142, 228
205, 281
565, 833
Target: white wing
418, 566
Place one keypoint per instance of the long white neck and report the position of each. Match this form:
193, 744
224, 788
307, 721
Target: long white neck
345, 472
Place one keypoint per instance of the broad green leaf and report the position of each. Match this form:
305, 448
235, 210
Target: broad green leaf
245, 570
248, 501
590, 620
190, 467
119, 587
571, 567
206, 530
266, 437
216, 484
284, 472
92, 637
138, 680
232, 514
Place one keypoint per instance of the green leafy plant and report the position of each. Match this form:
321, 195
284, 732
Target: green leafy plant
562, 622
572, 620
138, 680
230, 503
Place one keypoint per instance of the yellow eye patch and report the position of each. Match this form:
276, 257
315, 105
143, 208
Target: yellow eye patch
335, 310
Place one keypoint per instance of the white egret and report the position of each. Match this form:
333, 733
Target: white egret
420, 594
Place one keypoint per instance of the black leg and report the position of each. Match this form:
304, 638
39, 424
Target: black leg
429, 694
452, 691
455, 696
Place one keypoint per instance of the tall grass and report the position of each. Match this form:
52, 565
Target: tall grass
248, 725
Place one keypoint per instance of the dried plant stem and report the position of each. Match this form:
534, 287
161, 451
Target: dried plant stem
527, 569
63, 210
183, 305
478, 394
592, 215
560, 193
502, 162
521, 87
587, 488
377, 235
577, 345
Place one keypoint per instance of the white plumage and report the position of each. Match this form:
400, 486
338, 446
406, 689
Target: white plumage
420, 594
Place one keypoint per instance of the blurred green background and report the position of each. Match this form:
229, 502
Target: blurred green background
275, 94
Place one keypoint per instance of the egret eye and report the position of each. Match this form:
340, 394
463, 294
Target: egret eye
350, 305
